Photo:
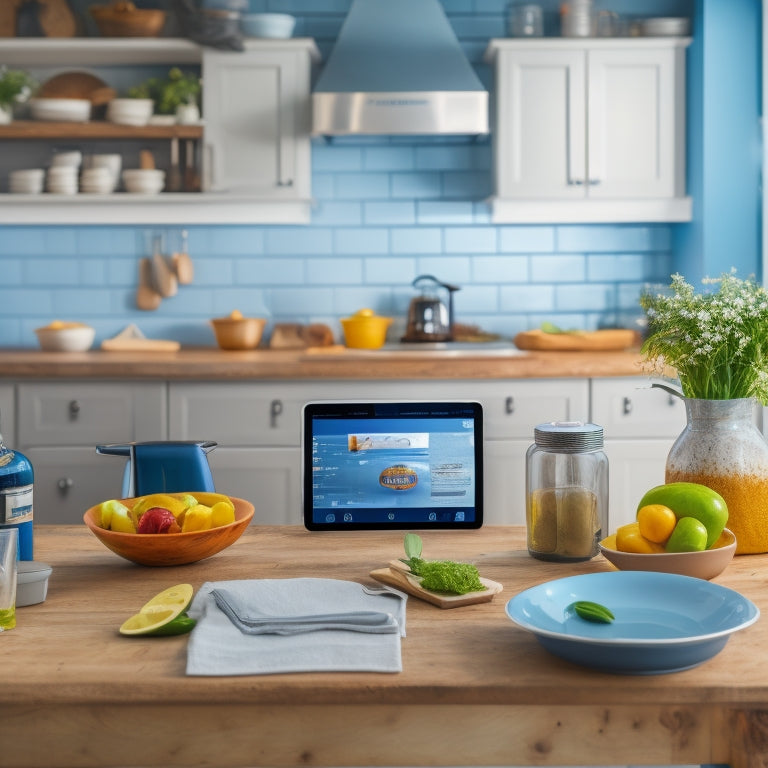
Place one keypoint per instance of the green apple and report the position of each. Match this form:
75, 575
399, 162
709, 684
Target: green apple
692, 500
689, 535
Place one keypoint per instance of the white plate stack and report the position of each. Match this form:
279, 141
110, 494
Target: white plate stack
97, 181
62, 180
26, 182
111, 162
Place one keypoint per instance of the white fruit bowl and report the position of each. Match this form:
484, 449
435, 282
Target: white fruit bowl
65, 337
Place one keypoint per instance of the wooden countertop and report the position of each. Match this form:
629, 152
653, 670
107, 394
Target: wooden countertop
215, 364
475, 689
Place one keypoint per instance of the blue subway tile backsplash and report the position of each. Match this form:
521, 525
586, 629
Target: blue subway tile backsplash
386, 210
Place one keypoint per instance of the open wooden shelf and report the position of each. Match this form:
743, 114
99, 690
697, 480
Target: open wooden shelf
39, 129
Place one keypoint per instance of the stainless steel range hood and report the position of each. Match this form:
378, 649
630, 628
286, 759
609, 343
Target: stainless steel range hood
397, 68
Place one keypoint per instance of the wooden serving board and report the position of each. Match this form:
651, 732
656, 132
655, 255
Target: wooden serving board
397, 575
140, 345
605, 340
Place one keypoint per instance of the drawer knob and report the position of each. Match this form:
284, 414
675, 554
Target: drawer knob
626, 406
74, 409
64, 484
509, 405
275, 409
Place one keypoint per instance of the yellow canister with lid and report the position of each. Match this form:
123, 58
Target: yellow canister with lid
365, 329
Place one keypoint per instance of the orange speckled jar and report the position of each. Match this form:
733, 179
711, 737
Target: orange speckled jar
722, 448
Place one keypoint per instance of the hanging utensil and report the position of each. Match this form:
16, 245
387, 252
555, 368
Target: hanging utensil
182, 263
147, 297
163, 277
174, 182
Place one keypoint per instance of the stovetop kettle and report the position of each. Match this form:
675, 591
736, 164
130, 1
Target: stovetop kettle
428, 318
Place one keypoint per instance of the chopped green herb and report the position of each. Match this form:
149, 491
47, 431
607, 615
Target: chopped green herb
441, 575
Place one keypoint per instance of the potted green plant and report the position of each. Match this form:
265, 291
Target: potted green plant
171, 94
16, 86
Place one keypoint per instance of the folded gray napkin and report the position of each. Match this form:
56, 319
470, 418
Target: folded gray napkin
268, 626
249, 619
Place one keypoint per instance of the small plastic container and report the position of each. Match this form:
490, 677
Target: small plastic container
566, 504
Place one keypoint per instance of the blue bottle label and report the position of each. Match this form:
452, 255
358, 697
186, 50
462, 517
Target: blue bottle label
16, 505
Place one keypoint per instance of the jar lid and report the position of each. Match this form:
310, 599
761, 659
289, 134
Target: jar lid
569, 435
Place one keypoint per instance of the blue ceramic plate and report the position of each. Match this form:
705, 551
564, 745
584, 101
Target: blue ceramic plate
664, 622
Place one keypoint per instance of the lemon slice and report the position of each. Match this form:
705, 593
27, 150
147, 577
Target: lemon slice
165, 608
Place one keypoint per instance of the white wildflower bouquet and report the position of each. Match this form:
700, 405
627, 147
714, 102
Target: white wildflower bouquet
716, 340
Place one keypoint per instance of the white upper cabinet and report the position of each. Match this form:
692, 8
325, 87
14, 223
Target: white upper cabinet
253, 143
589, 130
258, 121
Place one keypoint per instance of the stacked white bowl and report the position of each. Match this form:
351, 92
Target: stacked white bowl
26, 182
130, 111
63, 172
144, 181
68, 110
101, 172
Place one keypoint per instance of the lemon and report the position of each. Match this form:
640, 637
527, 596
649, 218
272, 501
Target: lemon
165, 500
157, 615
222, 513
107, 509
197, 518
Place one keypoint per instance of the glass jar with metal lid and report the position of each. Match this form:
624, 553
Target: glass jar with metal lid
566, 504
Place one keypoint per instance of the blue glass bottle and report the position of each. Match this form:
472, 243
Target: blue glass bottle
16, 483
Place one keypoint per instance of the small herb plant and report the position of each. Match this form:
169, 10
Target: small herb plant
169, 92
440, 575
16, 85
717, 340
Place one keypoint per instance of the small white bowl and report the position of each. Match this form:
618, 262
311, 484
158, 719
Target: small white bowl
73, 158
66, 110
276, 25
31, 583
65, 337
136, 112
144, 181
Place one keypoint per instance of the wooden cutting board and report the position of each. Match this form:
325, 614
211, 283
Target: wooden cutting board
605, 340
398, 575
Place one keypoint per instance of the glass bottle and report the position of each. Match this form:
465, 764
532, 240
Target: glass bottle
566, 504
16, 483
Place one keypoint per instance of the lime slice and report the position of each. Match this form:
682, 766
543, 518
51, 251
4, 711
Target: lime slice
164, 608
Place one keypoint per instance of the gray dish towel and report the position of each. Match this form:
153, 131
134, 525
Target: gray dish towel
217, 646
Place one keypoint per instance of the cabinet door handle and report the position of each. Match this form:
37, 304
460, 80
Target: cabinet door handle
64, 484
509, 405
594, 182
275, 409
626, 407
288, 183
74, 410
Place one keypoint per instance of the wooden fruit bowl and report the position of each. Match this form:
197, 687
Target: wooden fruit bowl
124, 19
171, 548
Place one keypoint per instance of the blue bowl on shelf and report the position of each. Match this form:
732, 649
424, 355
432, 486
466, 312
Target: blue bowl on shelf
275, 25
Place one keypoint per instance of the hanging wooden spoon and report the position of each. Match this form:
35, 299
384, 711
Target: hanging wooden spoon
182, 263
147, 297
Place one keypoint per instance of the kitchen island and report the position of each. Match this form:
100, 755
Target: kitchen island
474, 690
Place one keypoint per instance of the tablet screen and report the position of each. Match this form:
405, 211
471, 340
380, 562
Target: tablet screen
392, 465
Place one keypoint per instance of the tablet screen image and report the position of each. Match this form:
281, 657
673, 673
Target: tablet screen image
392, 465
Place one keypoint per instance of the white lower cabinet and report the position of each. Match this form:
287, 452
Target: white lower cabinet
258, 430
257, 426
61, 423
640, 425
